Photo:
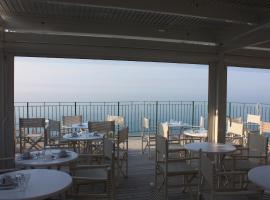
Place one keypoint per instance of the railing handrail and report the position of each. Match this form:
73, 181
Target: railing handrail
134, 111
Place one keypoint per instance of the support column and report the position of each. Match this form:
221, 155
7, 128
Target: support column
7, 143
217, 100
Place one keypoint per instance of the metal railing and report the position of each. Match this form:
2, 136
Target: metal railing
134, 111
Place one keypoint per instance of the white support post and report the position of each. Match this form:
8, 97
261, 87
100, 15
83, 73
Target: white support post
217, 100
7, 144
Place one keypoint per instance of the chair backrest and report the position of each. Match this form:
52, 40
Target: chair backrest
257, 145
254, 119
164, 130
106, 127
161, 148
202, 122
236, 119
54, 125
146, 123
32, 122
54, 129
229, 120
123, 135
108, 148
118, 120
265, 127
207, 170
236, 128
32, 125
69, 120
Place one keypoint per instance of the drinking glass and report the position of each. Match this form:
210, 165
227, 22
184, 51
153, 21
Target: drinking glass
22, 180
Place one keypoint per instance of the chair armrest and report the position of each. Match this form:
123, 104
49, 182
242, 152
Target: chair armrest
91, 155
90, 166
234, 173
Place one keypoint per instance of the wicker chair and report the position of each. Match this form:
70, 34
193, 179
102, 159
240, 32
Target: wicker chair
148, 136
255, 154
265, 128
253, 123
122, 152
33, 131
69, 120
167, 168
119, 122
55, 135
216, 184
87, 174
174, 142
105, 127
236, 134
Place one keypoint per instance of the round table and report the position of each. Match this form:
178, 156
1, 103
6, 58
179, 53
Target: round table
77, 126
218, 150
178, 125
51, 159
83, 136
208, 147
260, 176
43, 184
200, 133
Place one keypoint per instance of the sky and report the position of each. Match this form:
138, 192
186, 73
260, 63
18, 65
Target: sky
54, 80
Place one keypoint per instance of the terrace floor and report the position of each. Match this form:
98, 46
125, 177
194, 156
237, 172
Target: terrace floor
141, 175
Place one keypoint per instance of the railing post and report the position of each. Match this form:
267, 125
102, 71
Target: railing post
44, 112
230, 107
118, 108
59, 110
192, 120
75, 104
27, 109
156, 117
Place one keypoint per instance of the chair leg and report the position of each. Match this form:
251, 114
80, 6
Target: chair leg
149, 149
142, 146
165, 188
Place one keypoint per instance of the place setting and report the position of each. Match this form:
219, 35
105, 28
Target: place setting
46, 157
33, 184
16, 181
83, 135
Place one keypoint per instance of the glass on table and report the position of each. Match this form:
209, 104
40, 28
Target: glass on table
22, 180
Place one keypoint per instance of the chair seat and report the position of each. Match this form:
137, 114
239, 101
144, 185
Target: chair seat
34, 135
179, 168
242, 165
236, 195
151, 137
175, 146
122, 155
95, 174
